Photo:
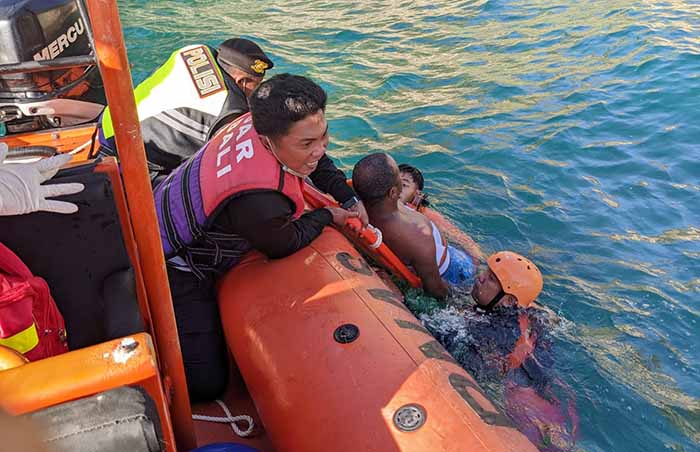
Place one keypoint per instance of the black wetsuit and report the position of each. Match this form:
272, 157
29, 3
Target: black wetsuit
540, 404
481, 343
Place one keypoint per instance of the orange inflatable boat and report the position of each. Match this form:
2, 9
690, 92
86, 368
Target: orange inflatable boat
331, 357
335, 361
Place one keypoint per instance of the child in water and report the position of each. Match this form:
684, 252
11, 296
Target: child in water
412, 195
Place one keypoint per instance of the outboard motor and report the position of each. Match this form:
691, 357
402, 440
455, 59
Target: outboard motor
39, 31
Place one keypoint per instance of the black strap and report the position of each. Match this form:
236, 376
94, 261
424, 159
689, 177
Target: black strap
92, 153
280, 185
170, 231
192, 225
215, 251
220, 236
492, 304
221, 253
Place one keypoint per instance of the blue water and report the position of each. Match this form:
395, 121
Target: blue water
567, 131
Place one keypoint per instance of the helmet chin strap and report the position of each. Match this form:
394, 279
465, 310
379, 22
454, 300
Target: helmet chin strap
285, 168
492, 304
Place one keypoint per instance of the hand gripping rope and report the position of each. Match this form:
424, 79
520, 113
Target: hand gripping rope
370, 238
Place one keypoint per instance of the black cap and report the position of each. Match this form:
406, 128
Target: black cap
245, 55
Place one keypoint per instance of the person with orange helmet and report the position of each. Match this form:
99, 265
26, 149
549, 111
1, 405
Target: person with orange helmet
504, 343
511, 279
502, 340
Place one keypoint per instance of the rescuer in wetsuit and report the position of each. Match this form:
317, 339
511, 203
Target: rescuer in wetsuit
503, 340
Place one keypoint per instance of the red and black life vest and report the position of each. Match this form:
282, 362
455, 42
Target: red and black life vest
188, 201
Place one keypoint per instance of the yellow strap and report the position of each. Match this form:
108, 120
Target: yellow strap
23, 341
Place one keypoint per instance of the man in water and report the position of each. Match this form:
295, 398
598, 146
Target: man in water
503, 338
504, 341
412, 236
186, 100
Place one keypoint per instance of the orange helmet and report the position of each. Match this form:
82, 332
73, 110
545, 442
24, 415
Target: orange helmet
518, 276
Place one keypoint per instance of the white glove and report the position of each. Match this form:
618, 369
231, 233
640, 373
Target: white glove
21, 190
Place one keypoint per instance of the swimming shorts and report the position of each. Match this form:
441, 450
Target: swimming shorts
461, 269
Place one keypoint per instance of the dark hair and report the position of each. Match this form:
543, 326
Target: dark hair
417, 177
415, 173
283, 100
373, 177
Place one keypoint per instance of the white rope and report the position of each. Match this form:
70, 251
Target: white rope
229, 419
81, 147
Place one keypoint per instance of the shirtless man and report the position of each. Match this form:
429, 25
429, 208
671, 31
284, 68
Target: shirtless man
413, 237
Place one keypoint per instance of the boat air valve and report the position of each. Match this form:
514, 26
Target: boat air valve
409, 417
346, 333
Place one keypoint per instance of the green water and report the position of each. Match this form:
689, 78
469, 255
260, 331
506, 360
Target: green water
566, 131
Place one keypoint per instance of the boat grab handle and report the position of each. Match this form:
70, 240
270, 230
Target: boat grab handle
370, 237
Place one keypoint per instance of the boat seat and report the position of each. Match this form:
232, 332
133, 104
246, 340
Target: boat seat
117, 420
83, 258
90, 261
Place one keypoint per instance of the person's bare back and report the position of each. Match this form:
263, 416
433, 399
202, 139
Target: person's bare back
407, 232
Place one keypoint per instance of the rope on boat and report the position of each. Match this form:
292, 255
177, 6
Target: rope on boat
81, 147
228, 419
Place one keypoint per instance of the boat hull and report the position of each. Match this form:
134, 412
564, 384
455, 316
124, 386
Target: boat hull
316, 388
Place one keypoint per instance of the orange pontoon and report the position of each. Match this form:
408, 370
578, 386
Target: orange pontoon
333, 357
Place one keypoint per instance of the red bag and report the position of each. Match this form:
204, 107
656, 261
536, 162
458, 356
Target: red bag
30, 321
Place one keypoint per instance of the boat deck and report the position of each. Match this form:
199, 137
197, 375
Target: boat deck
239, 402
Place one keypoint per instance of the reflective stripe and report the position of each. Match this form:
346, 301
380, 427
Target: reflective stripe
165, 119
176, 115
142, 91
23, 341
179, 263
